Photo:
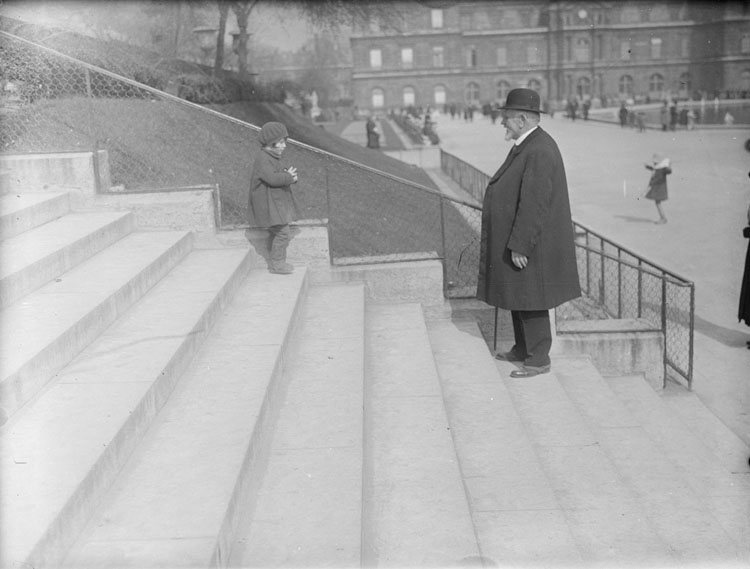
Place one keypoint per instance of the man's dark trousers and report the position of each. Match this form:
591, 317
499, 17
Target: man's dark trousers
533, 336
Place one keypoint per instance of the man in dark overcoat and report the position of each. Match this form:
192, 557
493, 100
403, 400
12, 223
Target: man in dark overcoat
527, 257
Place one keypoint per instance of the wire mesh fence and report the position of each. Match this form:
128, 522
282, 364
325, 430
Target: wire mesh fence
51, 102
625, 285
616, 283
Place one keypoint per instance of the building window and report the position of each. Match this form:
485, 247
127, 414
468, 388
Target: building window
472, 93
532, 54
535, 85
481, 21
630, 15
407, 57
656, 83
746, 80
685, 47
408, 97
626, 86
655, 48
502, 89
436, 16
471, 56
582, 51
583, 87
625, 50
437, 56
502, 56
378, 98
745, 43
439, 95
686, 84
376, 58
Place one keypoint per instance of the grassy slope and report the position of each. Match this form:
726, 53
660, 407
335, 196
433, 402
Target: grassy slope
155, 144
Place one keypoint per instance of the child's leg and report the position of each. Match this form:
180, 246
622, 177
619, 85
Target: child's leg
662, 217
280, 237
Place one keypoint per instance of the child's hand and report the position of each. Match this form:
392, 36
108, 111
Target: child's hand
293, 171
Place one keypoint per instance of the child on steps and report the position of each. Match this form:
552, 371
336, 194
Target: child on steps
271, 202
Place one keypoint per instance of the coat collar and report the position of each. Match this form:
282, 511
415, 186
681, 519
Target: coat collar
515, 151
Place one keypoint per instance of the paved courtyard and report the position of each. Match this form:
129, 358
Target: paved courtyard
709, 193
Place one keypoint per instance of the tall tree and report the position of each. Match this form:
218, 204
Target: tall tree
242, 12
223, 14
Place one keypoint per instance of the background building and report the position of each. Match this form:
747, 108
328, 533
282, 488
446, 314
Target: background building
475, 52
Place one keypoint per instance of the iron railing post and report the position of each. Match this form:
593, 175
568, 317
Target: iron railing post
664, 324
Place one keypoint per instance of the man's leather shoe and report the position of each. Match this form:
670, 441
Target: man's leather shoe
529, 371
508, 357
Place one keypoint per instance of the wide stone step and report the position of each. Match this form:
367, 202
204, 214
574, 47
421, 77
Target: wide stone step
608, 522
724, 493
45, 330
416, 511
309, 509
211, 438
676, 511
62, 452
512, 502
37, 256
22, 212
701, 423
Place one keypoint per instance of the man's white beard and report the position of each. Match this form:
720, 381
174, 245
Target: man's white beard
508, 135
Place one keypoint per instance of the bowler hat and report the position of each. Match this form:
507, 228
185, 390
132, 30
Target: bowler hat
522, 100
272, 132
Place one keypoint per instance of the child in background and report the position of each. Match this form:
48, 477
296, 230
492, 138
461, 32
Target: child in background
657, 185
271, 202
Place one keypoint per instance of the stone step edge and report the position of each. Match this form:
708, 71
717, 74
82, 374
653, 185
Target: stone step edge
405, 414
228, 400
67, 255
502, 472
319, 432
61, 532
659, 484
41, 367
22, 212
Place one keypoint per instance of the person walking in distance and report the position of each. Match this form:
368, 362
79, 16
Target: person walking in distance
527, 258
271, 202
657, 185
743, 313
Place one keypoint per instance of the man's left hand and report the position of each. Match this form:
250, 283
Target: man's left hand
519, 260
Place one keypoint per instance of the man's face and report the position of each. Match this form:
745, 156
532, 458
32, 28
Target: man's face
514, 122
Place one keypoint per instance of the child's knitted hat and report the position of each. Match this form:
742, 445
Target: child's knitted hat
272, 132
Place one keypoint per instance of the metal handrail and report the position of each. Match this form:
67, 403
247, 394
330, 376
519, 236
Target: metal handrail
666, 276
175, 99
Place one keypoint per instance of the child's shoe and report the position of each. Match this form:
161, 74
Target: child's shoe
281, 268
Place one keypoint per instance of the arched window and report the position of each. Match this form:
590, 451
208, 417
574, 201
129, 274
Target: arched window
626, 86
439, 95
534, 84
378, 98
502, 89
408, 97
471, 56
656, 83
583, 86
472, 93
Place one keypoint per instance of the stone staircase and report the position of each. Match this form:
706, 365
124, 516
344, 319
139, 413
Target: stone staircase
168, 405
